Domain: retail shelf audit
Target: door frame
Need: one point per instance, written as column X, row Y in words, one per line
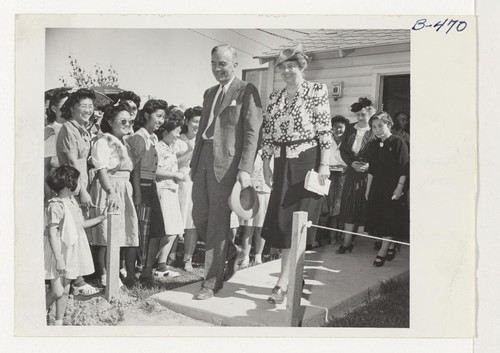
column 378, row 83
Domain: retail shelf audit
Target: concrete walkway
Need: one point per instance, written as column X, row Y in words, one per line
column 335, row 284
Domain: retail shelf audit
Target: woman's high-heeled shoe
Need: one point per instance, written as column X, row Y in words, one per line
column 342, row 249
column 379, row 261
column 391, row 254
column 278, row 295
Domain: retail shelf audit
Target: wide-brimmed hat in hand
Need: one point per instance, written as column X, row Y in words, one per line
column 244, row 203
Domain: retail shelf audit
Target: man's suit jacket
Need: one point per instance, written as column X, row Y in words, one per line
column 236, row 133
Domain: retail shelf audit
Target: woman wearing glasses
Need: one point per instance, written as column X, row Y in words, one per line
column 112, row 188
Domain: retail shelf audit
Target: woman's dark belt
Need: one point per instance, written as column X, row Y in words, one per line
column 292, row 143
column 284, row 145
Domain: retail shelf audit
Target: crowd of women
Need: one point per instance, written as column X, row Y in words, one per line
column 137, row 158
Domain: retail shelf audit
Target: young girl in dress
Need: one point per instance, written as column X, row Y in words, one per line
column 168, row 177
column 252, row 228
column 66, row 250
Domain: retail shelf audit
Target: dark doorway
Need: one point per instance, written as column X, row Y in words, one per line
column 396, row 94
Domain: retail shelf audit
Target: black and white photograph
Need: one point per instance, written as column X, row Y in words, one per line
column 245, row 176
column 135, row 123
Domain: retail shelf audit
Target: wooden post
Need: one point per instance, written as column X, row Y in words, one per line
column 297, row 252
column 112, row 262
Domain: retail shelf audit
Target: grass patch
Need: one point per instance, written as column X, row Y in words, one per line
column 390, row 309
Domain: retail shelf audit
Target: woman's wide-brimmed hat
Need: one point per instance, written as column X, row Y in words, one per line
column 244, row 203
column 286, row 54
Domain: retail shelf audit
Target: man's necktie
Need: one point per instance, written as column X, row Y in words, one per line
column 209, row 133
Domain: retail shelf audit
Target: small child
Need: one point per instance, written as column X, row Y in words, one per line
column 252, row 228
column 66, row 249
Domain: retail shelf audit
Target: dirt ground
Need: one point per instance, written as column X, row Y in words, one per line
column 155, row 314
column 133, row 306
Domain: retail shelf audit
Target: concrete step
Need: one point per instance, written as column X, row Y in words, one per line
column 335, row 284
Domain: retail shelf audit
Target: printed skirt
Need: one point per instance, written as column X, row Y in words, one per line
column 124, row 224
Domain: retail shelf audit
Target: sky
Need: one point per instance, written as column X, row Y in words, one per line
column 171, row 64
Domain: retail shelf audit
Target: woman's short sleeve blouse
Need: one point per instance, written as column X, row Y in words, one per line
column 108, row 152
column 72, row 138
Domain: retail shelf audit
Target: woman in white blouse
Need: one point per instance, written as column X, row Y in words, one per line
column 337, row 172
column 354, row 152
column 185, row 145
column 112, row 188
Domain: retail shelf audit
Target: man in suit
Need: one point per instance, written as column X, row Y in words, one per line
column 224, row 152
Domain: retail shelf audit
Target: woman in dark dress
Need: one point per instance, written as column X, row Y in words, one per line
column 297, row 131
column 354, row 152
column 387, row 214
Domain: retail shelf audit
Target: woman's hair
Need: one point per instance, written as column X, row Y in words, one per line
column 189, row 114
column 129, row 96
column 397, row 126
column 62, row 177
column 111, row 111
column 384, row 117
column 150, row 107
column 340, row 119
column 360, row 104
column 75, row 98
column 55, row 99
column 167, row 127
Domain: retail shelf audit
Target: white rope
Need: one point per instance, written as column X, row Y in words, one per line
column 309, row 224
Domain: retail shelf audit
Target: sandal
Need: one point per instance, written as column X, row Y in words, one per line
column 86, row 290
column 166, row 273
column 188, row 266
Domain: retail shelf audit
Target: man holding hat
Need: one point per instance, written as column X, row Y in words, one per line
column 224, row 153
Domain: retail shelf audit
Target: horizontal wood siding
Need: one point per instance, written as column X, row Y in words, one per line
column 356, row 71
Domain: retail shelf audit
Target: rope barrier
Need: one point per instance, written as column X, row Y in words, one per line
column 309, row 224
